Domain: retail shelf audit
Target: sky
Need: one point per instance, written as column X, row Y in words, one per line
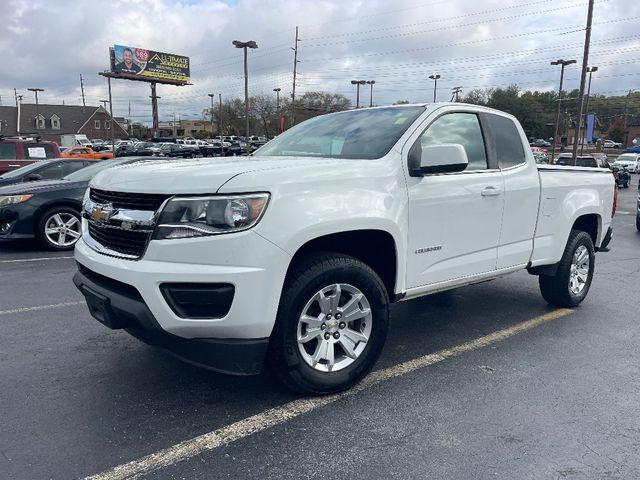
column 486, row 43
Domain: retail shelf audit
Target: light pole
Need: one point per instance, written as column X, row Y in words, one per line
column 36, row 90
column 372, row 83
column 104, row 103
column 220, row 124
column 590, row 70
column 357, row 83
column 212, row 95
column 277, row 90
column 562, row 63
column 244, row 46
column 435, row 78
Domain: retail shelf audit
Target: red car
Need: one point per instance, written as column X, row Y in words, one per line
column 18, row 152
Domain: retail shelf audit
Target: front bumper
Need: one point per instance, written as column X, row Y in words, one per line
column 118, row 305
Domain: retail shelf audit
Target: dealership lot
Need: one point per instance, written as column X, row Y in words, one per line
column 556, row 398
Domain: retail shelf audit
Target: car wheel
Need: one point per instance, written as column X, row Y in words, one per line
column 59, row 228
column 570, row 285
column 331, row 326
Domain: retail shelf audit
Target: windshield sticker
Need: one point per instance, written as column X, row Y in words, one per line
column 400, row 120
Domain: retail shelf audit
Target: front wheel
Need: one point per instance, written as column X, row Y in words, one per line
column 331, row 326
column 571, row 283
column 59, row 228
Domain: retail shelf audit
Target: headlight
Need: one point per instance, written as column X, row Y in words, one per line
column 11, row 199
column 186, row 217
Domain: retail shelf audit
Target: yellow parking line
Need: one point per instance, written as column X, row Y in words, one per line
column 278, row 415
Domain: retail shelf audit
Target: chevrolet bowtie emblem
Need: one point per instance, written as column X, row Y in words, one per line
column 102, row 212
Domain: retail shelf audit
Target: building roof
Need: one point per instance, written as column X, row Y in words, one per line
column 72, row 117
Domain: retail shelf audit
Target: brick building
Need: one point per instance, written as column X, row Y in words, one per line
column 52, row 121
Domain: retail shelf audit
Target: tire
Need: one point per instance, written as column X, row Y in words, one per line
column 56, row 218
column 294, row 362
column 557, row 289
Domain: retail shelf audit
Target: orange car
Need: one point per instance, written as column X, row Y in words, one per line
column 86, row 152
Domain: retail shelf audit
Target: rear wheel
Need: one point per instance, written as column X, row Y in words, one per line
column 332, row 323
column 571, row 283
column 59, row 228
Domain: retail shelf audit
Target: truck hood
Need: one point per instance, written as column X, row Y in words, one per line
column 198, row 176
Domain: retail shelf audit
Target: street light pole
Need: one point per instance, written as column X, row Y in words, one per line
column 277, row 90
column 220, row 125
column 372, row 83
column 36, row 90
column 357, row 83
column 590, row 70
column 212, row 95
column 435, row 78
column 562, row 63
column 244, row 46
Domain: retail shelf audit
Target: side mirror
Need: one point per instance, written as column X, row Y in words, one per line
column 445, row 158
column 32, row 177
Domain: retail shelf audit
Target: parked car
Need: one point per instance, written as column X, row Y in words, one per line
column 18, row 152
column 44, row 170
column 540, row 143
column 48, row 210
column 611, row 144
column 631, row 161
column 175, row 150
column 634, row 149
column 294, row 255
column 86, row 152
column 582, row 161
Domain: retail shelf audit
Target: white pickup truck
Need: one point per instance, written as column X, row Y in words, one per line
column 293, row 256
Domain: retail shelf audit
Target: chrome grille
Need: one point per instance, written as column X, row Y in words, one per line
column 128, row 201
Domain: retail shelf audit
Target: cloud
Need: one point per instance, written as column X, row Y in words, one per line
column 487, row 43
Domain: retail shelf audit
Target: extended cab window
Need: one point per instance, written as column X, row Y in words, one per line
column 459, row 128
column 507, row 141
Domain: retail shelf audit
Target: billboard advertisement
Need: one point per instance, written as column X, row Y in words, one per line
column 142, row 64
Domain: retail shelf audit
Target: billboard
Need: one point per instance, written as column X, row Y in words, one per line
column 141, row 64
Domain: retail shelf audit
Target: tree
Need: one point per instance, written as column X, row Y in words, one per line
column 312, row 104
column 263, row 109
column 616, row 131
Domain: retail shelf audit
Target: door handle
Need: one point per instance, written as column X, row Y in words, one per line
column 490, row 192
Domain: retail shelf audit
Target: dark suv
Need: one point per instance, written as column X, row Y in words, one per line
column 18, row 152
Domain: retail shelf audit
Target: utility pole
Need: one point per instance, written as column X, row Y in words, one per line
column 583, row 78
column 295, row 71
column 277, row 90
column 15, row 94
column 626, row 106
column 562, row 63
column 36, row 90
column 82, row 90
column 586, row 108
column 455, row 92
column 19, row 104
column 212, row 95
column 435, row 78
column 372, row 83
column 245, row 46
column 220, row 124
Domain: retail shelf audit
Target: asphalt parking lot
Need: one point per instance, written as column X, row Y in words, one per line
column 483, row 382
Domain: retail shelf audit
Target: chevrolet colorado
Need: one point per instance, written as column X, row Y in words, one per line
column 292, row 256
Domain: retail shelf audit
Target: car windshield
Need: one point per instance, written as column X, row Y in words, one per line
column 357, row 134
column 22, row 170
column 626, row 158
column 89, row 172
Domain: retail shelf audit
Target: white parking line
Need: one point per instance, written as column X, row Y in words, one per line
column 39, row 307
column 34, row 259
column 275, row 416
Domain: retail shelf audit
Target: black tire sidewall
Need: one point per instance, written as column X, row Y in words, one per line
column 288, row 358
column 581, row 238
column 42, row 222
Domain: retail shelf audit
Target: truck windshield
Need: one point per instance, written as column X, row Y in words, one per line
column 358, row 134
